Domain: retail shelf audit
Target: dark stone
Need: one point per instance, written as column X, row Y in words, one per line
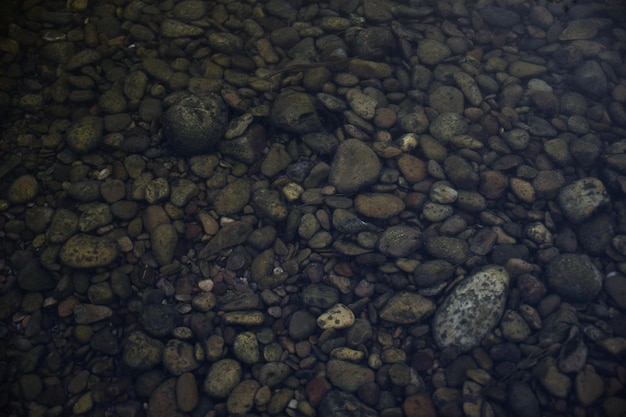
column 195, row 124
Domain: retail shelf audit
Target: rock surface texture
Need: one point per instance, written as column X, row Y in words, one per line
column 312, row 208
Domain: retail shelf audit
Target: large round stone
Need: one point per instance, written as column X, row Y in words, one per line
column 294, row 112
column 355, row 166
column 195, row 124
column 472, row 309
column 574, row 277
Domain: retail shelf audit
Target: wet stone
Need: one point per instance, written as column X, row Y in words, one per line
column 302, row 325
column 195, row 124
column 343, row 404
column 23, row 189
column 407, row 308
column 574, row 277
column 472, row 310
column 91, row 313
column 378, row 205
column 354, row 166
column 320, row 296
column 178, row 357
column 337, row 317
column 241, row 399
column 86, row 251
column 399, row 241
column 347, row 376
column 582, row 198
column 159, row 320
column 246, row 348
column 84, row 135
column 294, row 112
column 232, row 198
column 187, row 396
column 222, row 377
column 164, row 239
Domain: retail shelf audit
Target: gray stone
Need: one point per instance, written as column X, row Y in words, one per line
column 447, row 125
column 355, row 166
column 499, row 17
column 195, row 124
column 295, row 113
column 574, row 277
column 582, row 198
column 472, row 309
column 590, row 78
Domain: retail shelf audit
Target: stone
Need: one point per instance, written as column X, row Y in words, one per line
column 84, row 135
column 354, row 166
column 473, row 308
column 141, row 352
column 337, row 317
column 294, row 112
column 159, row 320
column 378, row 205
column 246, row 348
column 301, row 325
column 407, row 308
column 87, row 251
column 164, row 239
column 337, row 403
column 348, row 376
column 178, row 357
column 232, row 198
column 187, row 396
column 23, row 189
column 241, row 400
column 582, row 198
column 399, row 241
column 195, row 124
column 574, row 277
column 222, row 377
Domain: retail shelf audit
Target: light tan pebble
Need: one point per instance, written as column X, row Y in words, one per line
column 182, row 333
column 523, row 190
column 244, row 318
column 84, row 404
column 340, row 282
column 209, row 224
column 337, row 317
column 472, row 399
column 125, row 244
column 292, row 191
column 347, row 354
column 479, row 375
column 206, row 285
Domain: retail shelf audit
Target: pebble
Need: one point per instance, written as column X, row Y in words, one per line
column 23, row 189
column 460, row 321
column 407, row 308
column 354, row 166
column 582, row 198
column 347, row 376
column 574, row 277
column 141, row 352
column 222, row 377
column 86, row 251
column 85, row 134
column 178, row 357
column 337, row 317
column 187, row 395
column 378, row 205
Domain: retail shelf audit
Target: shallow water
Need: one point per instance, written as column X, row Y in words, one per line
column 312, row 208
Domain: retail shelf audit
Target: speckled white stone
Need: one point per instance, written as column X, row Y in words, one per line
column 472, row 309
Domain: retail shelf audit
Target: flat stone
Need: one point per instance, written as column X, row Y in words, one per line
column 348, row 376
column 378, row 205
column 407, row 308
column 336, row 317
column 187, row 396
column 87, row 251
